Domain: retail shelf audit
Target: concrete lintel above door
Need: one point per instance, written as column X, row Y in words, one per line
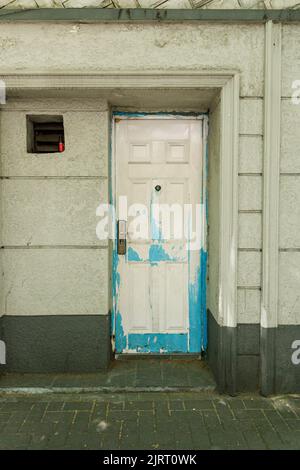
column 116, row 80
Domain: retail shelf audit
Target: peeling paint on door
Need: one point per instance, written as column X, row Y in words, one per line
column 142, row 314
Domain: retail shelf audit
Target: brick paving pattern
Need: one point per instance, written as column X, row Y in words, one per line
column 189, row 420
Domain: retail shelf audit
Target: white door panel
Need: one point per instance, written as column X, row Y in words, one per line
column 158, row 161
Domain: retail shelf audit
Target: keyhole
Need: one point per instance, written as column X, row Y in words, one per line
column 157, row 188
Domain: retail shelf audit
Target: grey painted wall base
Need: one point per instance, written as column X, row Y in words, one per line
column 233, row 355
column 268, row 366
column 287, row 374
column 62, row 343
column 227, row 360
column 249, row 358
column 278, row 373
column 246, row 358
column 222, row 355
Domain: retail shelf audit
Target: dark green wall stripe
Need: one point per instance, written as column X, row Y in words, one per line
column 138, row 14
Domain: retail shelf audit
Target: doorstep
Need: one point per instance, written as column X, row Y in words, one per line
column 134, row 375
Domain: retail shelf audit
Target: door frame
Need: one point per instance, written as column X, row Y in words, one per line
column 200, row 295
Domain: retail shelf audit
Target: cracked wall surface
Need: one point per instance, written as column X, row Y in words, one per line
column 192, row 4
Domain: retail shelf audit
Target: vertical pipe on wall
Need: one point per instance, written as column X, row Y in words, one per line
column 271, row 174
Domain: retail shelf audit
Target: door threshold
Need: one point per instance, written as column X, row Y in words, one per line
column 175, row 356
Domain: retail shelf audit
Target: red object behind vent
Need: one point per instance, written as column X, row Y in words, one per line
column 61, row 146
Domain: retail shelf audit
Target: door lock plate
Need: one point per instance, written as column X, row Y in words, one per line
column 121, row 247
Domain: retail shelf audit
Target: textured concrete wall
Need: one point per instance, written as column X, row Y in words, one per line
column 250, row 210
column 53, row 262
column 289, row 241
column 222, row 4
column 147, row 47
column 121, row 48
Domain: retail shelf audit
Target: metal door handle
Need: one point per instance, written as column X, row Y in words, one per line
column 121, row 229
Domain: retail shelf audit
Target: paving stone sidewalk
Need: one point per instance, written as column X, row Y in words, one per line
column 150, row 421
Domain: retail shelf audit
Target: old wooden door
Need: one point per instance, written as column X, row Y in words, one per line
column 159, row 283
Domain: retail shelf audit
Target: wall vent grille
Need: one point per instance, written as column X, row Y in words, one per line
column 45, row 134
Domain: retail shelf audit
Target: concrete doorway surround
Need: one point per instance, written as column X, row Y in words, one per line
column 219, row 91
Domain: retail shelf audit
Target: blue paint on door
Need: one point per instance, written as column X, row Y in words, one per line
column 196, row 339
column 121, row 340
column 197, row 307
column 158, row 343
column 158, row 254
column 133, row 255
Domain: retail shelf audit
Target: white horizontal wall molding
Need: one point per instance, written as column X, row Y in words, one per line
column 110, row 80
